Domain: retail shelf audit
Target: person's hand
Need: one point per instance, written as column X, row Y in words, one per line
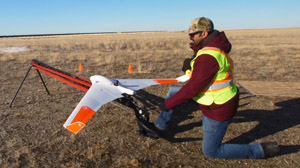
column 194, row 47
column 186, row 65
column 162, row 107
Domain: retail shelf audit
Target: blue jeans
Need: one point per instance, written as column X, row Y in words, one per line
column 164, row 117
column 213, row 134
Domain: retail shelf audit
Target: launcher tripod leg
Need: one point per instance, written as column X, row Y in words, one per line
column 43, row 81
column 10, row 105
column 20, row 86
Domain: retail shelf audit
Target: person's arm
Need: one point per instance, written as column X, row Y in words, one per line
column 205, row 68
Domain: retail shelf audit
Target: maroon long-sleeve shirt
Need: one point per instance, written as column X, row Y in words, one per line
column 205, row 68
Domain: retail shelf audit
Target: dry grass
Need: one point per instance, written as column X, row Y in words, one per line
column 31, row 133
column 108, row 50
column 273, row 54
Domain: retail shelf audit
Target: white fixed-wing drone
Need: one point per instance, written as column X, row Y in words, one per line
column 104, row 90
column 101, row 90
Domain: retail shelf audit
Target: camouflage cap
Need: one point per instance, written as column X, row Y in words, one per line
column 201, row 24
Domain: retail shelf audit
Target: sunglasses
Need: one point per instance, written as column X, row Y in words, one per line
column 193, row 34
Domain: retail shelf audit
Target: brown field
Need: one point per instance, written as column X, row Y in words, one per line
column 32, row 135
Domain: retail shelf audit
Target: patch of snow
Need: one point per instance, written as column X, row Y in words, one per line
column 13, row 49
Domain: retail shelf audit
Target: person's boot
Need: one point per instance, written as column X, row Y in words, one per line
column 270, row 148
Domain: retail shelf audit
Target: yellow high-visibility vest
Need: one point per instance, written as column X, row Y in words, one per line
column 221, row 88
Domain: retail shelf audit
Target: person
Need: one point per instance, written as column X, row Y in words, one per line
column 211, row 85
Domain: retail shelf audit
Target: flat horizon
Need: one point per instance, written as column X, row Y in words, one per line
column 57, row 34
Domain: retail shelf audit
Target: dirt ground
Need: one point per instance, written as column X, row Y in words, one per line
column 32, row 133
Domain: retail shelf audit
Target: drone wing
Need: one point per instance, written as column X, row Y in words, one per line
column 104, row 90
column 136, row 84
column 99, row 94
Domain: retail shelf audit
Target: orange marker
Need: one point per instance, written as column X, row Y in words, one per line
column 130, row 69
column 81, row 67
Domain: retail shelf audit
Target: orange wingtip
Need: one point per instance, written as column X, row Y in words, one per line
column 75, row 127
column 165, row 81
column 84, row 114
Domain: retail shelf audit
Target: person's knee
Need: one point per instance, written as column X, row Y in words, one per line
column 209, row 152
column 172, row 91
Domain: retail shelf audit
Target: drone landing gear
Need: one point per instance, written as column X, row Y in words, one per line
column 142, row 117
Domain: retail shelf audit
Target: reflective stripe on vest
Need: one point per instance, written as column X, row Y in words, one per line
column 220, row 51
column 220, row 84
